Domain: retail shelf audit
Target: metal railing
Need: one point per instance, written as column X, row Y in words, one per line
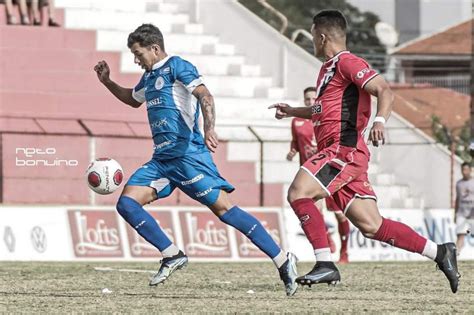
column 281, row 16
column 303, row 32
column 262, row 134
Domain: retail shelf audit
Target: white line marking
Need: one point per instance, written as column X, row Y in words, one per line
column 124, row 270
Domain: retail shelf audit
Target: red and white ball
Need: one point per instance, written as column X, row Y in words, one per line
column 104, row 176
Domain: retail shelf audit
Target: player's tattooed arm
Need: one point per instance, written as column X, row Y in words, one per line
column 207, row 106
column 209, row 116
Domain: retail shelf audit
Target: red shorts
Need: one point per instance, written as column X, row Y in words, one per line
column 331, row 204
column 342, row 172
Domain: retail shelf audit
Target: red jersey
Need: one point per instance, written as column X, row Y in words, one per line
column 303, row 139
column 342, row 108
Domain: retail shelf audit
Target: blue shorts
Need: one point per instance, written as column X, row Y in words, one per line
column 196, row 175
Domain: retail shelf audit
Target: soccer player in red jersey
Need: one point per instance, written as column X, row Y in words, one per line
column 340, row 118
column 304, row 142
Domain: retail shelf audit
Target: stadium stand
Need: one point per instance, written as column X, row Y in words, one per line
column 51, row 97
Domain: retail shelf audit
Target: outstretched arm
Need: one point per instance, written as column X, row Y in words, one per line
column 125, row 95
column 209, row 115
column 379, row 88
column 284, row 110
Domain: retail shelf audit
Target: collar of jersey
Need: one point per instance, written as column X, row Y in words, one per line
column 338, row 54
column 160, row 63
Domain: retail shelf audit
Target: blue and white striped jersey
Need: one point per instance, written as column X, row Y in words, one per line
column 173, row 111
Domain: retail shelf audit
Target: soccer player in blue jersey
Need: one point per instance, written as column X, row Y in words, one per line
column 173, row 91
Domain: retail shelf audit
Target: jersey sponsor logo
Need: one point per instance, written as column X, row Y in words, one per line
column 362, row 73
column 153, row 102
column 203, row 193
column 317, row 108
column 165, row 70
column 161, row 145
column 367, row 185
column 192, row 180
column 159, row 83
column 158, row 124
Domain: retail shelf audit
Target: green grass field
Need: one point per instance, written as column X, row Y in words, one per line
column 63, row 287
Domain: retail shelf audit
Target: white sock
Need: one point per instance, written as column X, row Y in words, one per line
column 430, row 250
column 279, row 259
column 170, row 251
column 323, row 254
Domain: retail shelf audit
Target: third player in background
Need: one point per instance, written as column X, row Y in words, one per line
column 303, row 142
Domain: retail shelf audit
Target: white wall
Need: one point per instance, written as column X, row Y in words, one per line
column 425, row 168
column 289, row 65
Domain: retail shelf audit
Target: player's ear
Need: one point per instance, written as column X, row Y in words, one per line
column 323, row 38
column 156, row 49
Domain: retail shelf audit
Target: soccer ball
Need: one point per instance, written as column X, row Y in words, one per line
column 104, row 176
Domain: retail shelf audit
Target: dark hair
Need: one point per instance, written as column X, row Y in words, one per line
column 309, row 89
column 146, row 35
column 466, row 164
column 330, row 20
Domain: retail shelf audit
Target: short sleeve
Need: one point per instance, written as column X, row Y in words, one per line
column 357, row 71
column 186, row 73
column 138, row 92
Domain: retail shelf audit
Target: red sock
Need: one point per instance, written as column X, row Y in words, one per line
column 344, row 230
column 312, row 222
column 400, row 235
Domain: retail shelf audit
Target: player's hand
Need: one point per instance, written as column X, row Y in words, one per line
column 210, row 137
column 281, row 110
column 377, row 134
column 103, row 71
column 291, row 155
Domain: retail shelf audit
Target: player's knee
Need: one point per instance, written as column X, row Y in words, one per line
column 369, row 230
column 221, row 204
column 124, row 206
column 295, row 193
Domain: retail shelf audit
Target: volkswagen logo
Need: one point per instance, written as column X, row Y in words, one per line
column 38, row 239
